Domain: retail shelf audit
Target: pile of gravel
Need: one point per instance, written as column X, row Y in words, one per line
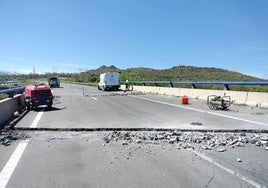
column 189, row 140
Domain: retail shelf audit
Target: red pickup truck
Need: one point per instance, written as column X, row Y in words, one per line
column 36, row 95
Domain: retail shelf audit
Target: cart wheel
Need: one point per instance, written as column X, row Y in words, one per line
column 28, row 107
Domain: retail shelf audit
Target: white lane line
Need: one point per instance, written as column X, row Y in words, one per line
column 94, row 98
column 37, row 118
column 202, row 111
column 15, row 157
column 12, row 163
column 244, row 178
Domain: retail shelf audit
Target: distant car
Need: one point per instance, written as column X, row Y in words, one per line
column 36, row 95
column 109, row 81
column 54, row 82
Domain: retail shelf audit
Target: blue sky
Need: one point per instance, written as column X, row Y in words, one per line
column 77, row 35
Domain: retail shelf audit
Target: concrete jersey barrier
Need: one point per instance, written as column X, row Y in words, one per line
column 8, row 107
column 238, row 97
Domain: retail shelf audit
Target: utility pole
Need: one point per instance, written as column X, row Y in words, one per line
column 34, row 73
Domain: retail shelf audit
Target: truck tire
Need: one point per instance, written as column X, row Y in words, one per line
column 28, row 107
column 49, row 106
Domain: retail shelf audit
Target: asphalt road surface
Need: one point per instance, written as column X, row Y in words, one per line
column 85, row 159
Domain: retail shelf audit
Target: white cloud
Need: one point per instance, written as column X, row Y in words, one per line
column 28, row 71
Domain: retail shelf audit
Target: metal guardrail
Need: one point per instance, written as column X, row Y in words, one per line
column 13, row 91
column 82, row 83
column 20, row 90
column 12, row 82
column 193, row 84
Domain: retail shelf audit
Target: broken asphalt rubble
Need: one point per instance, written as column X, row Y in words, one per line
column 8, row 136
column 219, row 142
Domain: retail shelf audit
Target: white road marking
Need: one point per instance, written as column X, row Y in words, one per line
column 94, row 98
column 12, row 163
column 202, row 111
column 37, row 118
column 248, row 180
column 15, row 157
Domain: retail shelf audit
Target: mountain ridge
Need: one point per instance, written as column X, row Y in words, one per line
column 7, row 73
column 175, row 73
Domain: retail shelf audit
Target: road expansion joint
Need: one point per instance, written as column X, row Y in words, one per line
column 218, row 140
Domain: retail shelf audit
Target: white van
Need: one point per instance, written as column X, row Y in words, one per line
column 109, row 81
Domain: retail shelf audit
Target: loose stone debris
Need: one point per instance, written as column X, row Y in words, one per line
column 219, row 142
column 8, row 136
column 112, row 94
column 216, row 141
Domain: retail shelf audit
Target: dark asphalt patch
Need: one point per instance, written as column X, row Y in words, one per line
column 142, row 129
column 197, row 123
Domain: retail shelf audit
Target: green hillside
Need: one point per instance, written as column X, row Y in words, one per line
column 178, row 73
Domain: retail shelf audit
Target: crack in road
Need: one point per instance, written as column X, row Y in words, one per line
column 211, row 179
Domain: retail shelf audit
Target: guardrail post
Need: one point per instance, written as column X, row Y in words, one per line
column 193, row 86
column 171, row 84
column 10, row 95
column 155, row 84
column 226, row 87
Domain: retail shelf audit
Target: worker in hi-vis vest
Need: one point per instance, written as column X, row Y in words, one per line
column 127, row 84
